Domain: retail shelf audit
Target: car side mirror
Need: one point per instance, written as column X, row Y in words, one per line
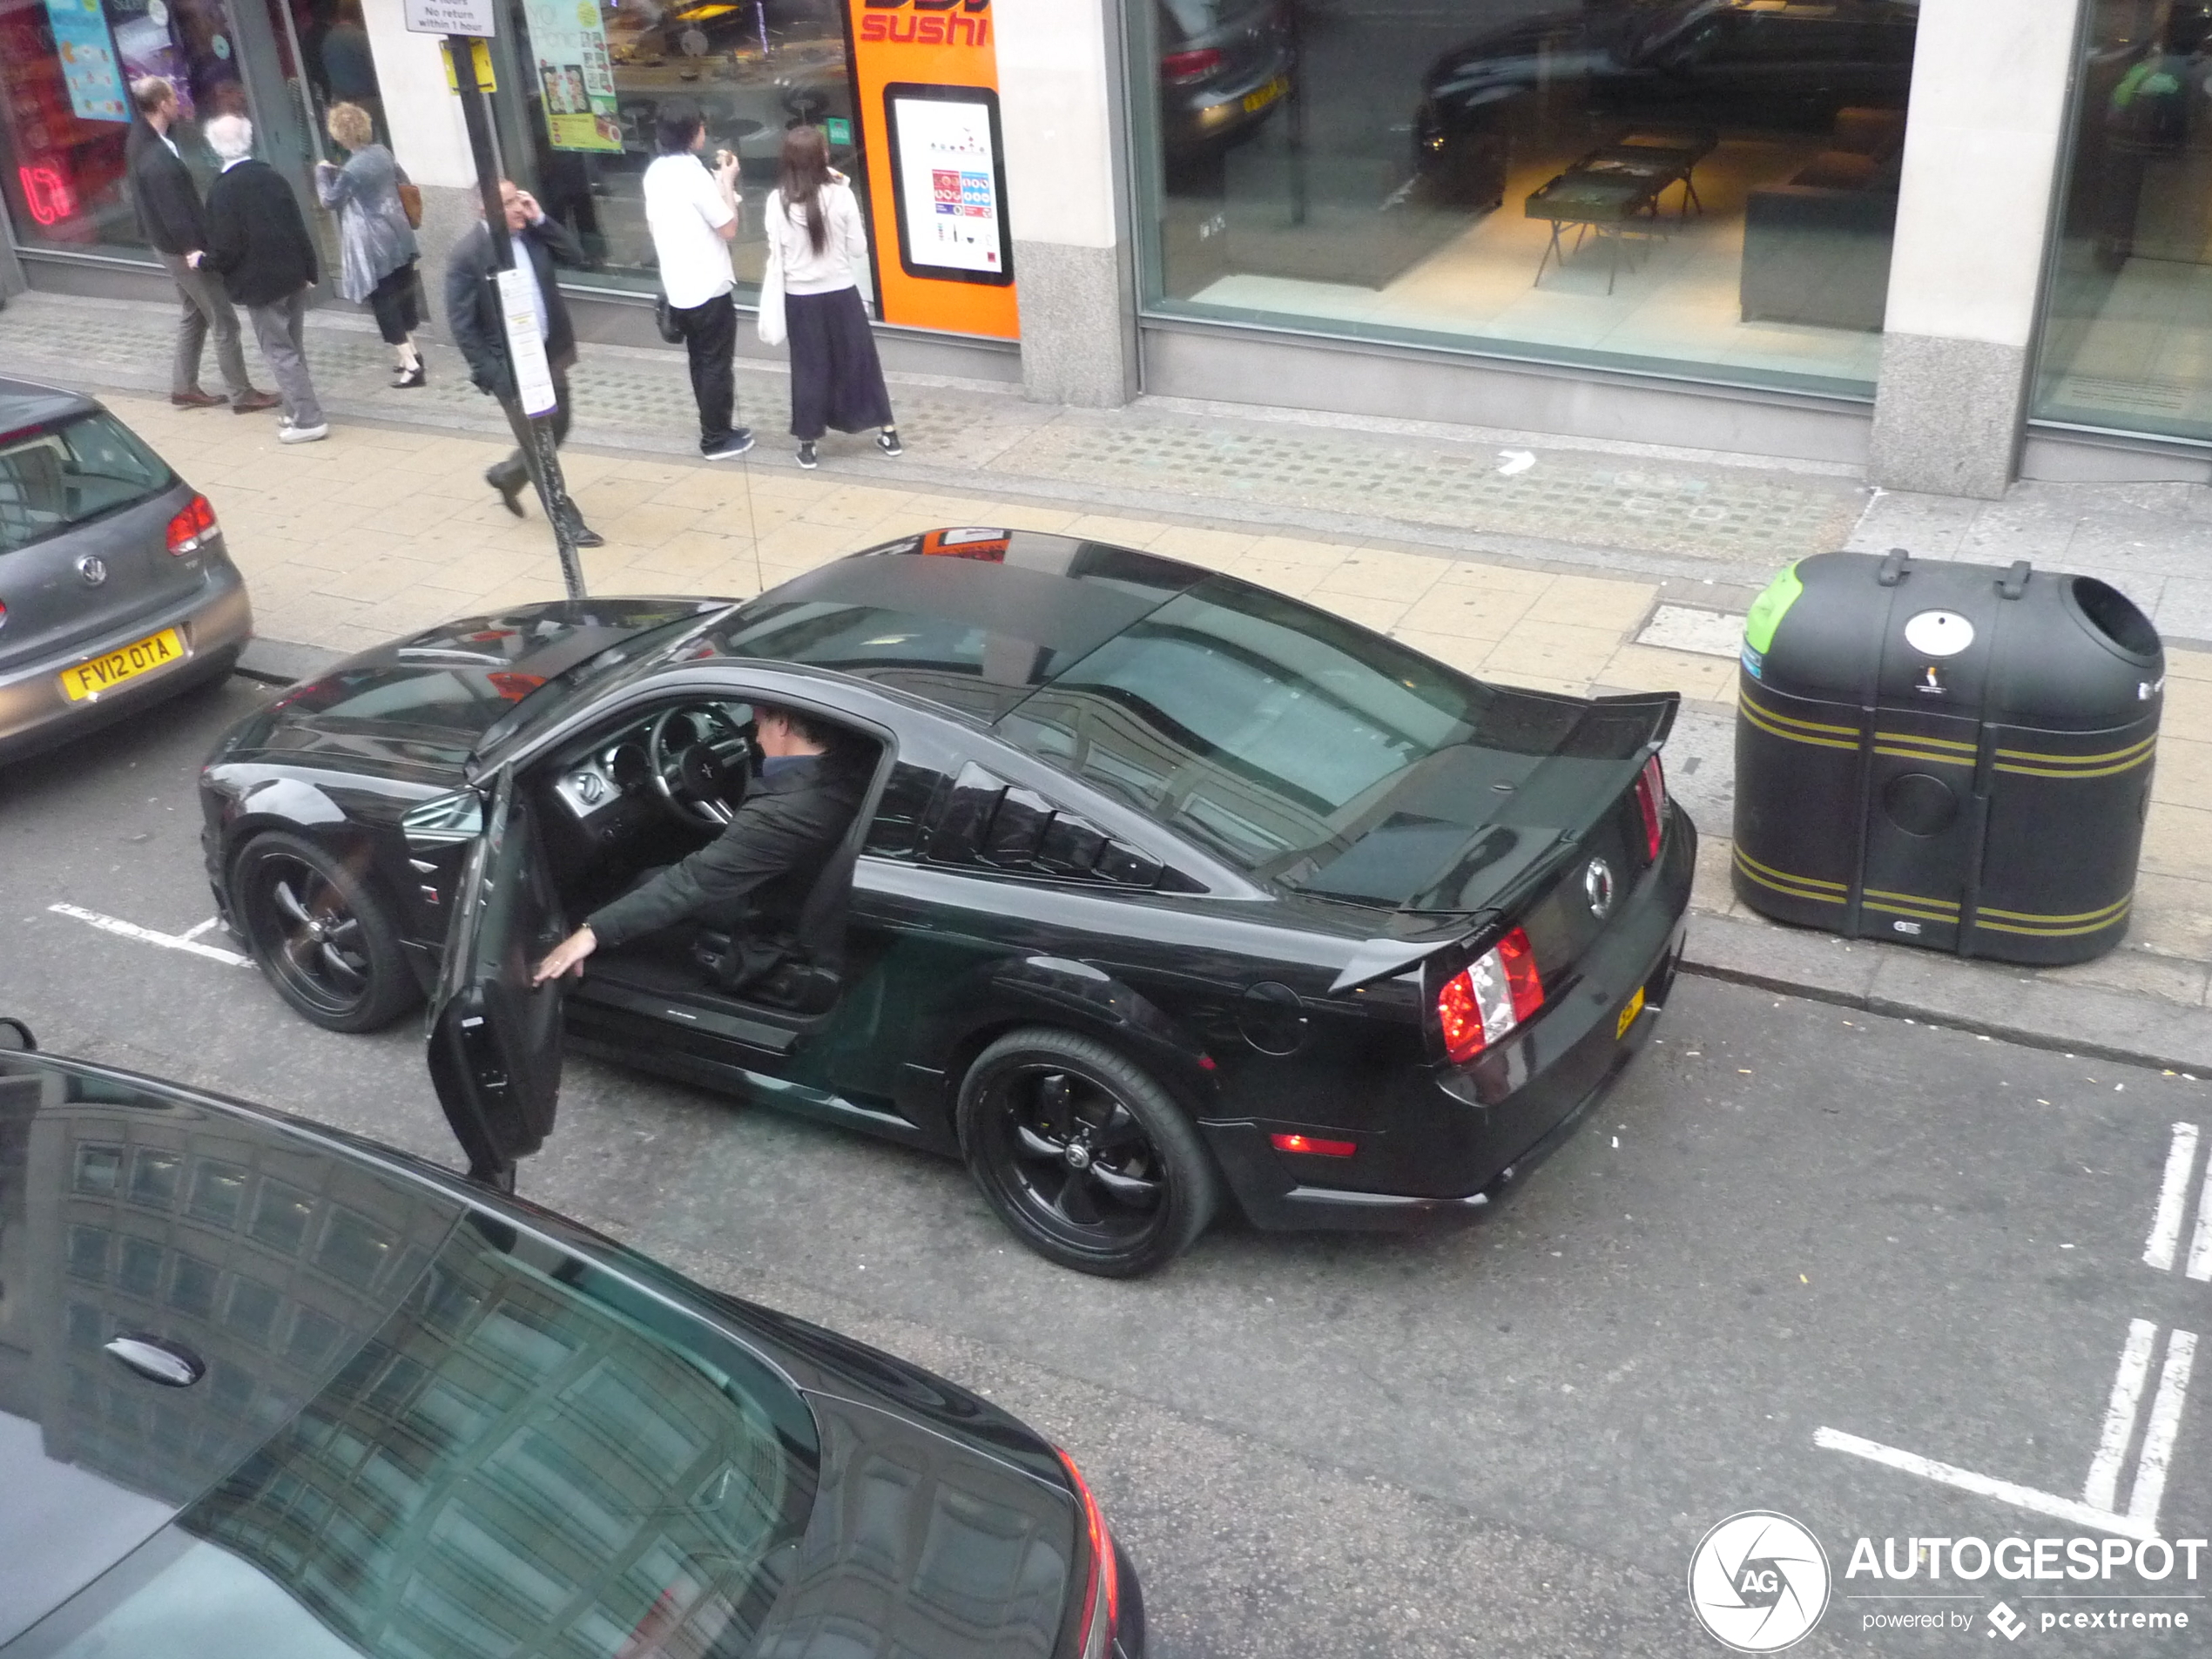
column 444, row 820
column 16, row 1038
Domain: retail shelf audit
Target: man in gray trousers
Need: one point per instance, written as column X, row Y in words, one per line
column 168, row 205
column 257, row 239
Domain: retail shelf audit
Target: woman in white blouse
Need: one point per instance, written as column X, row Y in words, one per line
column 816, row 234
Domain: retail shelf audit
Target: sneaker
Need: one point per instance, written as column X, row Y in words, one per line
column 732, row 447
column 289, row 433
column 808, row 458
column 888, row 441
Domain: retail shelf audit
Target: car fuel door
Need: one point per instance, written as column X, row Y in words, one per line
column 495, row 1050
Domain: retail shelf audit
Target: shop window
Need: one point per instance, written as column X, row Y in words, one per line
column 1700, row 187
column 593, row 91
column 2127, row 341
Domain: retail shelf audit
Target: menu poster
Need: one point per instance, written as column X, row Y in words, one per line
column 947, row 159
column 89, row 68
column 575, row 75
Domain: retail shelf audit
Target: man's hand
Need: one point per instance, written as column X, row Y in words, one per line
column 194, row 258
column 531, row 212
column 567, row 957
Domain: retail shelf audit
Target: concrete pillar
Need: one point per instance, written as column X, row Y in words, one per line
column 430, row 139
column 1058, row 92
column 1988, row 113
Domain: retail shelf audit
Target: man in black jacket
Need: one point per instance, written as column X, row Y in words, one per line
column 473, row 312
column 257, row 241
column 168, row 203
column 754, row 878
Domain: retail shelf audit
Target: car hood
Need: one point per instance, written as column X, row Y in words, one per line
column 125, row 1212
column 1558, row 45
column 424, row 703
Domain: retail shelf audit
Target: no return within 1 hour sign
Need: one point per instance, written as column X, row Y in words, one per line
column 451, row 17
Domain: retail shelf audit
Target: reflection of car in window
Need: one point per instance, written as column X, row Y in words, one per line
column 1225, row 66
column 1163, row 889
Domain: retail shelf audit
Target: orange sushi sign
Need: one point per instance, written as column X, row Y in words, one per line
column 925, row 86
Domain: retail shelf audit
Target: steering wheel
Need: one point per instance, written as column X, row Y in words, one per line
column 701, row 761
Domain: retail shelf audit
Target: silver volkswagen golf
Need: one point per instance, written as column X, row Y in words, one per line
column 115, row 587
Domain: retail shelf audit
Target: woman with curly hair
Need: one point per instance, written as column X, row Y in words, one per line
column 376, row 247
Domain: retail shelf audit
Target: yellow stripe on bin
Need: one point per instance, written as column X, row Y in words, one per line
column 2071, row 760
column 1765, row 723
column 2055, row 933
column 1927, row 743
column 2104, row 912
column 1790, row 886
column 2070, row 771
column 1965, row 761
column 1950, row 905
column 1917, row 915
column 1780, row 718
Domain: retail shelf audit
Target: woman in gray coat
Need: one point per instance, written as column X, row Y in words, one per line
column 376, row 248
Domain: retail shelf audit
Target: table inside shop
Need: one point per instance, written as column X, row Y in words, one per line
column 1600, row 202
column 1677, row 149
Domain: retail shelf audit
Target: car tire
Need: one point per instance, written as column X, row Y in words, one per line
column 320, row 935
column 1135, row 1196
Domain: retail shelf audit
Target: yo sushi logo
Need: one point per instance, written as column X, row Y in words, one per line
column 925, row 23
column 1758, row 1582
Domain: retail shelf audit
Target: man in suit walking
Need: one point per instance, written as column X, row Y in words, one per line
column 169, row 210
column 257, row 241
column 479, row 329
column 755, row 877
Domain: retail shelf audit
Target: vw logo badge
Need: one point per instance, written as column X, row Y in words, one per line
column 93, row 568
column 1597, row 886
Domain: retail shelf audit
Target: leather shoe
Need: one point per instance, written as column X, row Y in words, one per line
column 196, row 399
column 583, row 536
column 510, row 490
column 251, row 401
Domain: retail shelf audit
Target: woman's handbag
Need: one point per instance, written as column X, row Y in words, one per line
column 771, row 296
column 664, row 321
column 411, row 204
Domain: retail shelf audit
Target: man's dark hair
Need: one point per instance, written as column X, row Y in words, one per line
column 810, row 727
column 676, row 124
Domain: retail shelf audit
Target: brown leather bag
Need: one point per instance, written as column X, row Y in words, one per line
column 411, row 204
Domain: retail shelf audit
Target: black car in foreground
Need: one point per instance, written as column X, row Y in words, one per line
column 265, row 1389
column 1164, row 885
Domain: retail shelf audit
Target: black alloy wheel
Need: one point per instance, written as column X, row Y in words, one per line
column 1089, row 1160
column 322, row 940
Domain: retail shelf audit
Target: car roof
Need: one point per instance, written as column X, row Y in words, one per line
column 971, row 618
column 27, row 403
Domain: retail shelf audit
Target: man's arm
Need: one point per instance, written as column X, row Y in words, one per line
column 465, row 314
column 771, row 834
column 225, row 236
column 560, row 241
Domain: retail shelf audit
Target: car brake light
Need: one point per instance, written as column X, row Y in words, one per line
column 194, row 527
column 1314, row 1146
column 1651, row 802
column 1103, row 1594
column 1180, row 69
column 1487, row 999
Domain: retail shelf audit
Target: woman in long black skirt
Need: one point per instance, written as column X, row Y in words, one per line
column 815, row 233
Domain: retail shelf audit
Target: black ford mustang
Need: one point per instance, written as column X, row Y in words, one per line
column 1165, row 884
column 265, row 1389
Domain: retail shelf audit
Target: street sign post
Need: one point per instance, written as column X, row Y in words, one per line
column 532, row 405
column 476, row 17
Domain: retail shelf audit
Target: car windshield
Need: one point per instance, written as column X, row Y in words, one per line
column 70, row 472
column 583, row 680
column 532, row 1456
column 1263, row 728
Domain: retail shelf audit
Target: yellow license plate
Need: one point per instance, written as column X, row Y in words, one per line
column 105, row 673
column 1254, row 102
column 1629, row 1014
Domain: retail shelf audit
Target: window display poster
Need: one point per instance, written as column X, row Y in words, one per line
column 89, row 67
column 575, row 76
column 949, row 194
column 147, row 46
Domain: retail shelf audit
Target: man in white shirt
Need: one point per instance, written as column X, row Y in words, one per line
column 692, row 215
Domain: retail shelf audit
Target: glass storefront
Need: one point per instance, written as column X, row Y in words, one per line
column 587, row 84
column 65, row 66
column 2127, row 322
column 1699, row 187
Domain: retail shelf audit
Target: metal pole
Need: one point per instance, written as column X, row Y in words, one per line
column 533, row 434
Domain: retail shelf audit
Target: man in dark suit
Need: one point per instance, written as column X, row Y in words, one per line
column 473, row 311
column 257, row 242
column 754, row 878
column 169, row 212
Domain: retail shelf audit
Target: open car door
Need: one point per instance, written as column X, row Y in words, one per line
column 495, row 1041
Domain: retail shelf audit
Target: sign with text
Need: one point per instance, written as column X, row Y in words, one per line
column 451, row 17
column 575, row 75
column 87, row 53
column 521, row 308
column 924, row 97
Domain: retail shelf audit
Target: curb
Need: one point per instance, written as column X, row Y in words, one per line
column 1984, row 998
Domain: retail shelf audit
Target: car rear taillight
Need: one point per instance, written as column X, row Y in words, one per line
column 1180, row 69
column 1487, row 999
column 1651, row 804
column 194, row 527
column 1103, row 1594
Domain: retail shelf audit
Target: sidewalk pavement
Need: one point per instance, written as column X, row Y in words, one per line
column 1571, row 566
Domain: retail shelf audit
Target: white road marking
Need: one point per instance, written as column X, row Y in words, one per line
column 2173, row 1200
column 2201, row 1246
column 147, row 936
column 2103, row 1489
column 2165, row 1425
column 2042, row 1503
column 200, row 928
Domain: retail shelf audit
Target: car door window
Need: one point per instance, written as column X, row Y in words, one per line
column 988, row 823
column 532, row 1456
